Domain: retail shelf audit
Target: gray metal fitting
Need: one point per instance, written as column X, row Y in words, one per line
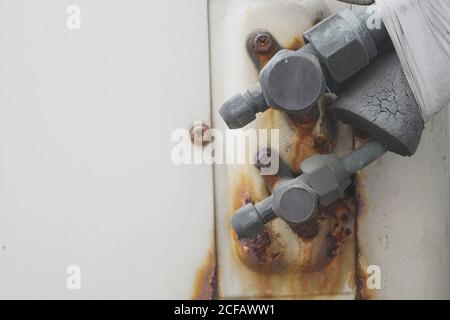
column 344, row 44
column 324, row 180
column 249, row 220
column 327, row 176
column 294, row 201
column 292, row 80
column 241, row 109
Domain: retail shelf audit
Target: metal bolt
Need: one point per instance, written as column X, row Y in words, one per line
column 265, row 158
column 200, row 134
column 260, row 42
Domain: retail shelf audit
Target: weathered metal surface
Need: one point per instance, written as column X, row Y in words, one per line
column 200, row 134
column 85, row 126
column 306, row 262
column 404, row 219
column 401, row 226
column 205, row 284
column 261, row 46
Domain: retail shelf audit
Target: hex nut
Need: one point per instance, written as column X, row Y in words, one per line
column 340, row 46
column 292, row 80
column 326, row 175
column 294, row 201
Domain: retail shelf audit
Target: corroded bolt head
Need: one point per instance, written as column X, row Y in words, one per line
column 260, row 42
column 200, row 134
column 264, row 158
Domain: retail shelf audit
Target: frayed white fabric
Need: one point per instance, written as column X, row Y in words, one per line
column 420, row 31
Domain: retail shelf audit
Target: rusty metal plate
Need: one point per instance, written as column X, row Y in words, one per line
column 317, row 260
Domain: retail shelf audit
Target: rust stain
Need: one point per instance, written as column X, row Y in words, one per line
column 316, row 267
column 245, row 192
column 261, row 47
column 271, row 181
column 296, row 44
column 331, row 235
column 205, row 283
column 261, row 59
column 314, row 259
column 361, row 276
column 317, row 258
column 303, row 147
column 308, row 230
column 361, row 196
column 311, row 139
column 261, row 253
column 255, row 251
column 362, row 291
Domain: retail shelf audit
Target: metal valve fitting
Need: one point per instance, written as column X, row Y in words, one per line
column 292, row 81
column 324, row 181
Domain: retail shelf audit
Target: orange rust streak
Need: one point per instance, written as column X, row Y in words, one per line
column 321, row 264
column 362, row 291
column 270, row 181
column 296, row 44
column 318, row 267
column 304, row 145
column 263, row 59
column 205, row 283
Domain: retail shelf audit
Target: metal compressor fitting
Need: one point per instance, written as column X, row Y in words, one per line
column 327, row 176
column 324, row 180
column 293, row 81
column 344, row 44
column 294, row 201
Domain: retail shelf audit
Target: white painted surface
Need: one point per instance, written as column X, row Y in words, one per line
column 85, row 124
column 405, row 230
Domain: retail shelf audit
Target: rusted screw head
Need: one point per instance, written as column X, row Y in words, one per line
column 200, row 134
column 308, row 230
column 261, row 42
column 264, row 158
